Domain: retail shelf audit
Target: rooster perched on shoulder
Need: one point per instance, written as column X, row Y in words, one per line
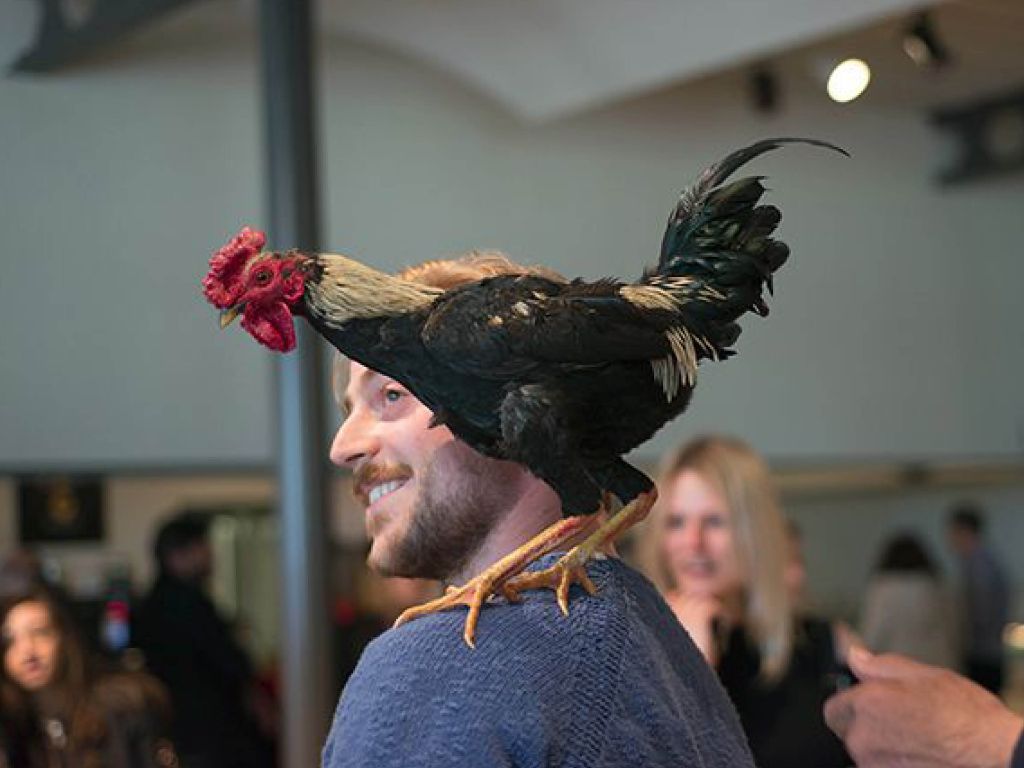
column 562, row 377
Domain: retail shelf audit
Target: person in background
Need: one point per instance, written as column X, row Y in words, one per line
column 985, row 599
column 190, row 647
column 716, row 545
column 904, row 713
column 57, row 711
column 905, row 610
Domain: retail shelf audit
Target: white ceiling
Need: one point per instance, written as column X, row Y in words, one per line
column 543, row 59
column 546, row 59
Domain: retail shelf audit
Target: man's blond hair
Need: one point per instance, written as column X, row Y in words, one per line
column 470, row 267
column 447, row 274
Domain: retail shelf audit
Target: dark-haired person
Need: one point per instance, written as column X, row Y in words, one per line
column 905, row 609
column 985, row 598
column 57, row 712
column 190, row 647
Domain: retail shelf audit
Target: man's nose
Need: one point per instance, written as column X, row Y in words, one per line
column 354, row 441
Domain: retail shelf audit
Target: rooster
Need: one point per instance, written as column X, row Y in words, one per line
column 562, row 377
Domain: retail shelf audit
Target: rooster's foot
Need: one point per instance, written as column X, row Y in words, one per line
column 559, row 577
column 572, row 567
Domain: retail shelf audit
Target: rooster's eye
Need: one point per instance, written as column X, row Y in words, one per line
column 262, row 277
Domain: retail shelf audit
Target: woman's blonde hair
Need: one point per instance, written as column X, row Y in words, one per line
column 741, row 476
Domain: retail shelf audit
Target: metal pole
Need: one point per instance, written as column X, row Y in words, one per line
column 288, row 87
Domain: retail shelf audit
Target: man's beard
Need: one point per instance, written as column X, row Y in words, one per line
column 462, row 496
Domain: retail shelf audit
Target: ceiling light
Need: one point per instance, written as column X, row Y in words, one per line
column 922, row 44
column 848, row 80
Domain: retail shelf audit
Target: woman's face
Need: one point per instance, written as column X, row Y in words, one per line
column 698, row 538
column 32, row 645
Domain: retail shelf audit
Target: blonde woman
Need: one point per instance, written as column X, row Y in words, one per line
column 717, row 548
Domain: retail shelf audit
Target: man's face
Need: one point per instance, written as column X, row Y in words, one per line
column 430, row 499
column 192, row 563
column 202, row 561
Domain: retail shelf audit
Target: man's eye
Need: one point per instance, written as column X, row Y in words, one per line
column 393, row 395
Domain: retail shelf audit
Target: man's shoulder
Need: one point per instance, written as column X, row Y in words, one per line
column 537, row 683
column 420, row 696
column 532, row 628
column 525, row 652
column 433, row 645
column 528, row 651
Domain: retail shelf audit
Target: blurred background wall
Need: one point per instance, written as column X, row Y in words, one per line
column 891, row 333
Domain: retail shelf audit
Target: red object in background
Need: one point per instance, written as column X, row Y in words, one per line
column 115, row 627
column 344, row 612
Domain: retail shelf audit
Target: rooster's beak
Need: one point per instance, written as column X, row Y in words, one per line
column 228, row 315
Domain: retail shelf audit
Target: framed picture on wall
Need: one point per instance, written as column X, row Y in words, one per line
column 60, row 508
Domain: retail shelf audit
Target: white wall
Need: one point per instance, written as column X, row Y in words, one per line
column 893, row 330
column 120, row 176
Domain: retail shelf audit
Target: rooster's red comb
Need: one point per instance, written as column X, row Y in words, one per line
column 223, row 282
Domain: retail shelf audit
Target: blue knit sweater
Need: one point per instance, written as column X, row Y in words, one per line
column 617, row 683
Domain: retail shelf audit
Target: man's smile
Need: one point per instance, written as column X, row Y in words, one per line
column 373, row 482
column 384, row 489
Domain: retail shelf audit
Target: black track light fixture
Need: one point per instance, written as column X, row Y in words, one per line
column 764, row 90
column 922, row 44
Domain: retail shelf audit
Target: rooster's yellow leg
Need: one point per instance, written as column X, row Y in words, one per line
column 572, row 567
column 476, row 591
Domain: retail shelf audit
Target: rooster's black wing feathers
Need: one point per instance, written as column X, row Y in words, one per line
column 510, row 327
column 717, row 256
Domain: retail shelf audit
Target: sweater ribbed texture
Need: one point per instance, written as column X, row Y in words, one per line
column 617, row 683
